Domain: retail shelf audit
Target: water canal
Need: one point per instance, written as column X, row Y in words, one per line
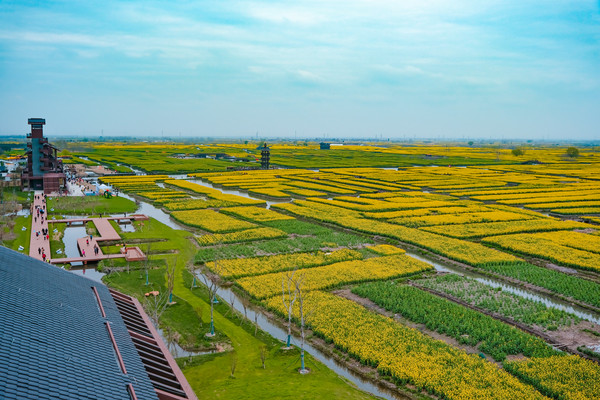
column 229, row 297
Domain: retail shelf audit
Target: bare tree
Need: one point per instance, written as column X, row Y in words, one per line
column 288, row 296
column 147, row 261
column 299, row 285
column 233, row 359
column 192, row 268
column 263, row 355
column 155, row 305
column 232, row 303
column 211, row 281
column 255, row 323
column 245, row 300
column 171, row 277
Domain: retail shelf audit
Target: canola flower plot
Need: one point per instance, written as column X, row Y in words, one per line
column 211, row 221
column 547, row 249
column 386, row 250
column 246, row 235
column 520, row 309
column 255, row 214
column 405, row 354
column 213, row 193
column 345, row 272
column 576, row 210
column 240, row 267
column 470, row 253
column 501, row 228
column 566, row 377
column 466, row 218
column 195, row 204
column 576, row 240
column 467, row 326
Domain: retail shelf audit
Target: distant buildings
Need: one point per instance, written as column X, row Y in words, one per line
column 44, row 171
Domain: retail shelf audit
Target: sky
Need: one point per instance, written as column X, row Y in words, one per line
column 442, row 69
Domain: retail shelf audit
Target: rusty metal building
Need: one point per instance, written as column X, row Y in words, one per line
column 43, row 171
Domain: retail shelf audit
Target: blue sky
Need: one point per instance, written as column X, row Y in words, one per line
column 367, row 68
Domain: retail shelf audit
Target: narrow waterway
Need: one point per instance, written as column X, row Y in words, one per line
column 237, row 192
column 226, row 295
column 150, row 210
column 69, row 239
column 546, row 300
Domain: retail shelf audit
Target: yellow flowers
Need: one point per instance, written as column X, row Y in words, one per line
column 405, row 354
column 212, row 193
column 239, row 267
column 499, row 228
column 386, row 249
column 336, row 274
column 468, row 252
column 211, row 221
column 255, row 214
column 241, row 236
column 553, row 248
column 562, row 377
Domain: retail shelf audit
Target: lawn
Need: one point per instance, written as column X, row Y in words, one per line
column 90, row 205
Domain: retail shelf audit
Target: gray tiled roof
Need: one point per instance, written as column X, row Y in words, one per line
column 53, row 340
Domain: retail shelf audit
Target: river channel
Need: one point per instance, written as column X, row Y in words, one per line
column 229, row 296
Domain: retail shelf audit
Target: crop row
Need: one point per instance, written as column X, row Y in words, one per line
column 465, row 218
column 407, row 355
column 193, row 204
column 256, row 214
column 240, row 267
column 570, row 286
column 467, row 252
column 211, row 221
column 560, row 377
column 467, row 326
column 386, row 250
column 240, row 236
column 550, row 250
column 344, row 272
column 212, row 193
column 518, row 308
column 501, row 228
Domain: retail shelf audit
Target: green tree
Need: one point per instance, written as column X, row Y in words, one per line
column 518, row 152
column 572, row 152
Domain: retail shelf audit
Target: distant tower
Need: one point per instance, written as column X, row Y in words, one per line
column 265, row 156
column 44, row 170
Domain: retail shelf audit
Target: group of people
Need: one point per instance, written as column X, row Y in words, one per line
column 40, row 210
column 38, row 213
column 87, row 242
column 44, row 233
column 42, row 252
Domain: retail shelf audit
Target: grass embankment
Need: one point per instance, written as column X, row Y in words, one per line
column 90, row 205
column 17, row 236
column 210, row 375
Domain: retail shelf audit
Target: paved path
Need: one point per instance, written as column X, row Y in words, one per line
column 38, row 244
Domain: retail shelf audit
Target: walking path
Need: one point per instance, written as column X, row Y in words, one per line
column 89, row 247
column 39, row 244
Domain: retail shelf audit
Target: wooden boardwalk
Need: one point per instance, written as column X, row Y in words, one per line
column 39, row 245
